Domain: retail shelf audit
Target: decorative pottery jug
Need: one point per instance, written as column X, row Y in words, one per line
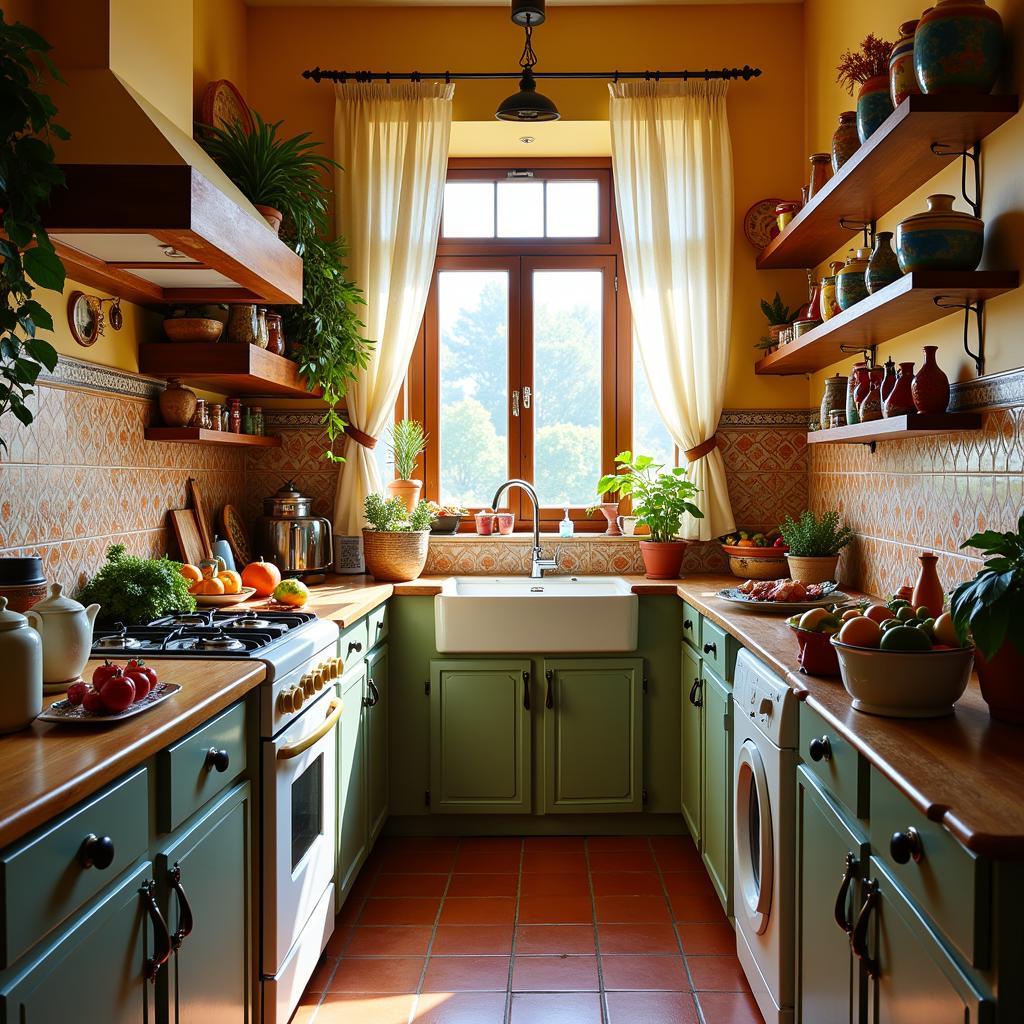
column 874, row 105
column 177, row 404
column 829, row 302
column 870, row 407
column 833, row 399
column 814, row 306
column 940, row 238
column 888, row 380
column 21, row 654
column 883, row 267
column 852, row 386
column 785, row 212
column 928, row 589
column 902, row 80
column 241, row 327
column 850, row 283
column 821, row 171
column 931, row 385
column 958, row 48
column 65, row 627
column 900, row 401
column 845, row 140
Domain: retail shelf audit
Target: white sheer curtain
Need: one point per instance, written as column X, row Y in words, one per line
column 392, row 143
column 672, row 161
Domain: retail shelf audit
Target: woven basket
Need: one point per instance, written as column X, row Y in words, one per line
column 395, row 557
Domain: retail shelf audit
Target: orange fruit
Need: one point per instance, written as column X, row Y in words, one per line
column 850, row 613
column 231, row 580
column 879, row 613
column 211, row 585
column 191, row 572
column 861, row 632
column 262, row 577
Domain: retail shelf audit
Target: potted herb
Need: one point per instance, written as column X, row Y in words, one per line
column 130, row 589
column 991, row 609
column 660, row 500
column 446, row 517
column 395, row 539
column 407, row 443
column 868, row 67
column 779, row 316
column 814, row 545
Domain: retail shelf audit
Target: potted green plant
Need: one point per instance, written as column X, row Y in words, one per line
column 407, row 442
column 446, row 517
column 779, row 316
column 991, row 608
column 395, row 539
column 660, row 500
column 814, row 544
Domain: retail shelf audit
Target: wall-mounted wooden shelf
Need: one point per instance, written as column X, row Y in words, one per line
column 900, row 307
column 896, row 427
column 895, row 161
column 225, row 367
column 198, row 435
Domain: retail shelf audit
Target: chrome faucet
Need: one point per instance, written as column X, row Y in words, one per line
column 538, row 564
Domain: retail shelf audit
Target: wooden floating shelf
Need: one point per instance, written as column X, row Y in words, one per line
column 895, row 161
column 199, row 435
column 897, row 309
column 896, row 427
column 225, row 367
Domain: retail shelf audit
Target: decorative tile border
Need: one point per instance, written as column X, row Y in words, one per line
column 76, row 373
column 293, row 419
column 745, row 418
column 996, row 391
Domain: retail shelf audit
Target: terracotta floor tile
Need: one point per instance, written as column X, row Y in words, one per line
column 460, row 1008
column 554, row 844
column 555, row 885
column 717, row 974
column 555, row 910
column 555, row 974
column 680, row 856
column 349, row 913
column 618, row 843
column 632, row 909
column 490, row 844
column 701, row 937
column 626, row 883
column 725, row 1008
column 665, row 973
column 487, row 862
column 426, row 861
column 554, row 862
column 409, row 885
column 400, row 911
column 701, row 906
column 466, row 974
column 484, row 910
column 363, row 884
column 322, row 974
column 554, row 938
column 343, row 1008
column 339, row 940
column 637, row 938
column 639, row 859
column 472, row 940
column 393, row 940
column 651, row 1008
column 483, row 885
column 386, row 975
column 556, row 1008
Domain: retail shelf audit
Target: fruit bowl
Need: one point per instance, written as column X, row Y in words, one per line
column 224, row 600
column 904, row 684
column 817, row 656
column 756, row 563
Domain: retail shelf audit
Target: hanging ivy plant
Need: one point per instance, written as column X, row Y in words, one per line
column 28, row 174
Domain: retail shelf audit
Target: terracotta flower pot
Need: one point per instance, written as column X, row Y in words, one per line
column 662, row 559
column 272, row 216
column 812, row 569
column 1002, row 682
column 407, row 490
column 610, row 510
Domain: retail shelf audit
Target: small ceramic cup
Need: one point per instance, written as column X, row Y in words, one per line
column 505, row 522
column 484, row 523
column 627, row 524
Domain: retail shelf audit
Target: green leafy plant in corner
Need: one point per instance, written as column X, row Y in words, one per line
column 389, row 515
column 407, row 443
column 28, row 174
column 987, row 606
column 811, row 537
column 660, row 500
column 776, row 312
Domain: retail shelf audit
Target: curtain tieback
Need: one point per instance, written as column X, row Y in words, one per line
column 704, row 448
column 360, row 438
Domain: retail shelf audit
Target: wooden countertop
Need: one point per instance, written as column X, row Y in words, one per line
column 342, row 599
column 48, row 768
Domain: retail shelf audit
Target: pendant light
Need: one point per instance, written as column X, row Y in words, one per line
column 527, row 105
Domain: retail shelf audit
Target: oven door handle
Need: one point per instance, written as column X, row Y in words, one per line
column 333, row 715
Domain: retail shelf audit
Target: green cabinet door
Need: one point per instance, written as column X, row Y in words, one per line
column 94, row 973
column 716, row 779
column 376, row 724
column 830, row 860
column 593, row 735
column 352, row 813
column 205, row 878
column 480, row 737
column 691, row 756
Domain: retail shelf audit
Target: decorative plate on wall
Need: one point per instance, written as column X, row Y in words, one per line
column 236, row 533
column 222, row 104
column 759, row 223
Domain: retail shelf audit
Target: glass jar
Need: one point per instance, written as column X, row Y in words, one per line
column 262, row 333
column 275, row 334
column 235, row 415
column 257, row 420
column 200, row 418
column 247, row 420
column 241, row 327
column 215, row 416
column 821, row 171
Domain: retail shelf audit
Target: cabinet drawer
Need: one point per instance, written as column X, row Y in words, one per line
column 837, row 765
column 353, row 644
column 200, row 766
column 377, row 625
column 718, row 649
column 948, row 883
column 691, row 626
column 44, row 879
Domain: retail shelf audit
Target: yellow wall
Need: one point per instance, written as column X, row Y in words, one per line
column 218, row 44
column 832, row 27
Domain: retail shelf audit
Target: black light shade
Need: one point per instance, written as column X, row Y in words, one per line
column 528, row 12
column 527, row 105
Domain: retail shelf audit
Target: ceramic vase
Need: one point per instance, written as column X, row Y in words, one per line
column 851, row 285
column 902, row 80
column 852, row 412
column 833, row 399
column 888, row 380
column 845, row 140
column 821, row 171
column 829, row 302
column 900, row 401
column 958, row 48
column 874, row 105
column 784, row 213
column 177, row 404
column 883, row 267
column 610, row 510
column 931, row 385
column 928, row 589
column 940, row 238
column 814, row 306
column 870, row 406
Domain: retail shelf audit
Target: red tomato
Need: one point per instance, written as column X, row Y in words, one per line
column 117, row 693
column 77, row 691
column 92, row 701
column 104, row 672
column 142, row 676
column 150, row 672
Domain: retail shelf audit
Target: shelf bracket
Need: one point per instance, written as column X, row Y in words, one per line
column 866, row 226
column 973, row 155
column 872, row 446
column 854, row 350
column 977, row 308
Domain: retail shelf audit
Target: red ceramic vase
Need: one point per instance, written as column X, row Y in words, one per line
column 928, row 589
column 931, row 386
column 901, row 399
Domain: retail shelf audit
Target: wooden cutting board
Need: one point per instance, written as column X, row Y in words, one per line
column 186, row 531
column 202, row 516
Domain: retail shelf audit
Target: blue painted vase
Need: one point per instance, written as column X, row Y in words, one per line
column 941, row 238
column 851, row 285
column 902, row 79
column 874, row 105
column 883, row 267
column 958, row 48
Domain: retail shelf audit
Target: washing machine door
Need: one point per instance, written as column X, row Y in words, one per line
column 755, row 860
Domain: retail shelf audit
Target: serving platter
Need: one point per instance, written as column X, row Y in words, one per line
column 75, row 714
column 734, row 596
column 223, row 600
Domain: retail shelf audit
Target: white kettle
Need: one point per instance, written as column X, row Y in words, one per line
column 65, row 627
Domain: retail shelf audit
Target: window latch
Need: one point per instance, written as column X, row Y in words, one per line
column 515, row 403
column 527, row 395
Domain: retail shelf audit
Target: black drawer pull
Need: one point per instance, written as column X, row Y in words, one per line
column 526, row 691
column 842, row 919
column 549, row 700
column 687, row 624
column 184, row 909
column 859, row 937
column 354, row 645
column 162, row 940
column 217, row 760
column 906, row 846
column 820, row 749
column 96, row 852
column 695, row 697
column 711, row 649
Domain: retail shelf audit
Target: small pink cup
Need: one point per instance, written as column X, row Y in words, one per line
column 506, row 523
column 484, row 523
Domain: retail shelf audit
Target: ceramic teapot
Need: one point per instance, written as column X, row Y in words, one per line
column 65, row 627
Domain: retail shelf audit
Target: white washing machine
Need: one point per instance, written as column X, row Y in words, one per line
column 764, row 808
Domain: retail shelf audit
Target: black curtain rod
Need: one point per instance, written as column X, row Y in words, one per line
column 318, row 75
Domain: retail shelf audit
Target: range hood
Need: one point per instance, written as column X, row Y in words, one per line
column 147, row 215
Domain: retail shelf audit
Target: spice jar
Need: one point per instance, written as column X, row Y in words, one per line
column 262, row 335
column 247, row 420
column 199, row 417
column 215, row 416
column 257, row 420
column 275, row 334
column 821, row 171
column 235, row 415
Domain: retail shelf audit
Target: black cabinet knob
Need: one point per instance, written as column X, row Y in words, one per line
column 820, row 749
column 687, row 624
column 711, row 649
column 354, row 645
column 217, row 760
column 906, row 846
column 96, row 852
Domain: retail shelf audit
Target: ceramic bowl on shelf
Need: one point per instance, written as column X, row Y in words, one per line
column 753, row 563
column 446, row 524
column 940, row 238
column 193, row 328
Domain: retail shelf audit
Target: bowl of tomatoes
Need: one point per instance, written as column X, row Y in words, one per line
column 755, row 555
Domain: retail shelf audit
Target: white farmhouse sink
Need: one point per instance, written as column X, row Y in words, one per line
column 513, row 614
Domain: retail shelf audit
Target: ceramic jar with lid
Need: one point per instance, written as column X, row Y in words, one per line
column 931, row 385
column 902, row 80
column 821, row 172
column 65, row 627
column 177, row 403
column 883, row 267
column 851, row 285
column 22, row 582
column 874, row 105
column 958, row 48
column 845, row 141
column 785, row 212
column 21, row 683
column 833, row 399
column 940, row 238
column 900, row 401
